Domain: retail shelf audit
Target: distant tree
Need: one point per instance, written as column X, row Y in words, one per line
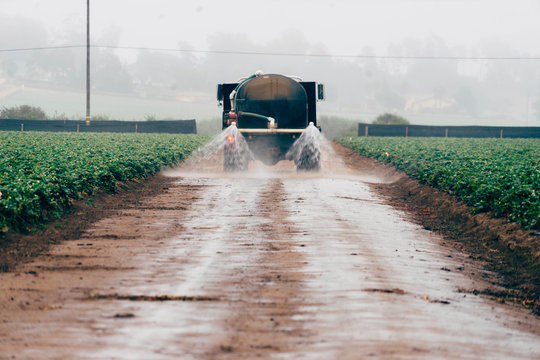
column 23, row 112
column 390, row 119
column 166, row 71
column 59, row 67
column 110, row 74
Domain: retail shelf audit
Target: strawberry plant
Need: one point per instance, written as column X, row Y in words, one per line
column 42, row 173
column 497, row 175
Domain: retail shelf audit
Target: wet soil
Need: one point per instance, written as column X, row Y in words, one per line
column 198, row 264
column 501, row 246
column 16, row 248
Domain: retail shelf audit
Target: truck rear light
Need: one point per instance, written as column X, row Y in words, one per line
column 230, row 139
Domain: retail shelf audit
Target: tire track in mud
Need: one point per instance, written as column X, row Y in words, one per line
column 251, row 265
column 269, row 292
column 47, row 307
column 233, row 251
column 384, row 284
column 355, row 286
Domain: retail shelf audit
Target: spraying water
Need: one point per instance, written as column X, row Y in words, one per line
column 306, row 151
column 233, row 145
column 236, row 152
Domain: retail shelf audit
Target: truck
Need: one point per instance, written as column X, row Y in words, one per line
column 270, row 113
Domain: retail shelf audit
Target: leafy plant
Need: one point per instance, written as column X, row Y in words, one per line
column 497, row 175
column 42, row 173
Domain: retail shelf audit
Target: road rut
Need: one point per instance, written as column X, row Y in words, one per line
column 265, row 264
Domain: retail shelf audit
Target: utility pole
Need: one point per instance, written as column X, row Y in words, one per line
column 87, row 62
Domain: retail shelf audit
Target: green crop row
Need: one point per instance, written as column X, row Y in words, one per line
column 42, row 173
column 497, row 175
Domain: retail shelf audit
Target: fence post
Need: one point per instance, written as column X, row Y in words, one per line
column 446, row 132
column 136, row 128
column 78, row 127
column 22, row 127
column 406, row 131
column 501, row 133
column 366, row 134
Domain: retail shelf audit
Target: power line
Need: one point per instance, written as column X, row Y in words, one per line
column 229, row 52
column 43, row 48
column 290, row 54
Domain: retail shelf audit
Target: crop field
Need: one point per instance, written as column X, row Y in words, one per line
column 497, row 175
column 42, row 173
column 213, row 264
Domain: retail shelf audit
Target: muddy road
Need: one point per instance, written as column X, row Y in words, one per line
column 264, row 264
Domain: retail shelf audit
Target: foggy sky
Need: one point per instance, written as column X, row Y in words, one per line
column 339, row 26
column 477, row 91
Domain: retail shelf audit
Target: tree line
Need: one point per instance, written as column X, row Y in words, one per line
column 373, row 85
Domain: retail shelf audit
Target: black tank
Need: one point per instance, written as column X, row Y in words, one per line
column 272, row 95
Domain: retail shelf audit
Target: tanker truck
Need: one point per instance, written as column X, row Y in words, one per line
column 271, row 112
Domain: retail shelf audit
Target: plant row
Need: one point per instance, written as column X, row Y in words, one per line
column 42, row 173
column 497, row 175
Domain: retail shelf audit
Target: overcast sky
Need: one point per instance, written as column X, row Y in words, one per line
column 341, row 26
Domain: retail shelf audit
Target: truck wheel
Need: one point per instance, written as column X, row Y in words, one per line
column 309, row 159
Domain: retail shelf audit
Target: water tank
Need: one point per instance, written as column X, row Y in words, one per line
column 272, row 95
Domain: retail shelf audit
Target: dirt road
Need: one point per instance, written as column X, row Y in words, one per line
column 264, row 264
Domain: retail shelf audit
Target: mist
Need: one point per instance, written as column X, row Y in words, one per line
column 423, row 75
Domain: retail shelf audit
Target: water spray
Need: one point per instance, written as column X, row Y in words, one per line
column 306, row 151
column 233, row 145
